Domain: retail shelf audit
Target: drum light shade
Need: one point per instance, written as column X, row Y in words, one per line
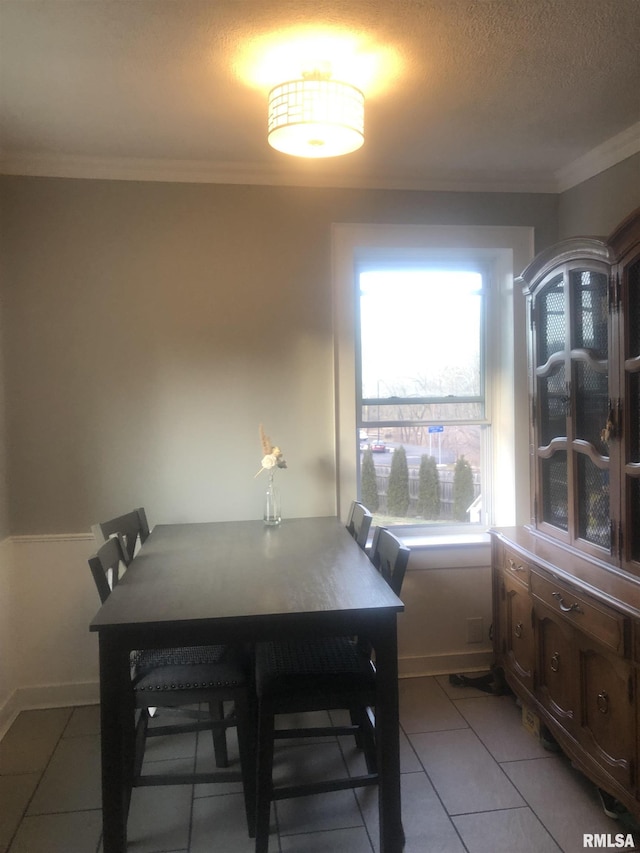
column 316, row 117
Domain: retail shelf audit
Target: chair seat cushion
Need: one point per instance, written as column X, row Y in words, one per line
column 229, row 670
column 146, row 659
column 326, row 664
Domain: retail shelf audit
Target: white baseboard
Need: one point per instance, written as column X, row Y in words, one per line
column 8, row 712
column 445, row 664
column 48, row 656
column 47, row 696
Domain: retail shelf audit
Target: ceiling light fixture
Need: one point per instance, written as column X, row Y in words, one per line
column 316, row 117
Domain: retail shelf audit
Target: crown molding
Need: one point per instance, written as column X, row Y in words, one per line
column 204, row 172
column 602, row 157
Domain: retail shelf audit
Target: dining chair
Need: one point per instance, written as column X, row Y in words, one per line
column 132, row 526
column 178, row 677
column 390, row 557
column 321, row 674
column 359, row 522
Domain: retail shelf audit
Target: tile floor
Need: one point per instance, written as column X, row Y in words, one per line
column 473, row 779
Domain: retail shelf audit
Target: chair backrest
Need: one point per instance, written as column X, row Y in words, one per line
column 390, row 557
column 359, row 522
column 105, row 565
column 133, row 527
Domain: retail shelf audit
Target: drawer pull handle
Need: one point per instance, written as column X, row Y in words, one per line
column 555, row 662
column 515, row 567
column 603, row 703
column 518, row 630
column 567, row 608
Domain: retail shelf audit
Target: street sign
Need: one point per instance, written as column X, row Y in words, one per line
column 436, row 429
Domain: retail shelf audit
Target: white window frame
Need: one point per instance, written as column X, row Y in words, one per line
column 505, row 251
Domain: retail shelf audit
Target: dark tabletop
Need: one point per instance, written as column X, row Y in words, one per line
column 242, row 569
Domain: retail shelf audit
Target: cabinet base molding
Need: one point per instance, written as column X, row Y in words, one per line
column 567, row 639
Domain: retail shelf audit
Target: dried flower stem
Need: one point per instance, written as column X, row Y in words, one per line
column 265, row 441
column 272, row 455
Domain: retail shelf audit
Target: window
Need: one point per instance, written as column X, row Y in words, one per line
column 423, row 418
column 496, row 250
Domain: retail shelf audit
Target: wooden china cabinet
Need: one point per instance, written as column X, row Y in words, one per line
column 567, row 586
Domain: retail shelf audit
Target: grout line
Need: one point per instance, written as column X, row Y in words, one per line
column 531, row 808
column 62, row 812
column 193, row 787
column 353, row 790
column 424, row 769
column 495, row 811
column 527, row 804
column 435, row 790
column 526, row 801
column 44, row 770
column 66, row 726
column 274, row 807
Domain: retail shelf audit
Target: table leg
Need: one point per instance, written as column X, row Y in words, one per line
column 117, row 731
column 388, row 738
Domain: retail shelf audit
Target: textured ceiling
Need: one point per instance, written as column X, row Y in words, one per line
column 460, row 93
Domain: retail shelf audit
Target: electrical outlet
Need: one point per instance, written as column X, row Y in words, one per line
column 475, row 629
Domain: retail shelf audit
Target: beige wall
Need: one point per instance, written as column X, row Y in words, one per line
column 4, row 491
column 146, row 330
column 149, row 328
column 596, row 206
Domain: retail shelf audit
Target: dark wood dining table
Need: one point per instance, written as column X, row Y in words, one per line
column 239, row 581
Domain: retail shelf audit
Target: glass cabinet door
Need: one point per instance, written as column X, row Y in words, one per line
column 589, row 358
column 572, row 405
column 583, row 299
column 552, row 401
column 631, row 417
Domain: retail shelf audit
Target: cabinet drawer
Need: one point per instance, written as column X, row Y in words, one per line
column 605, row 625
column 515, row 567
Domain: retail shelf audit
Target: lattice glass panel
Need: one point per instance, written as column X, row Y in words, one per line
column 593, row 503
column 551, row 320
column 633, row 351
column 633, row 311
column 552, row 402
column 633, row 402
column 590, row 292
column 592, row 405
column 555, row 505
column 633, row 530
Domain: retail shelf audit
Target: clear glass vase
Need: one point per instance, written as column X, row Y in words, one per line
column 272, row 515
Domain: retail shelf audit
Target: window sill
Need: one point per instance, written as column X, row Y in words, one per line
column 418, row 541
column 451, row 536
column 453, row 551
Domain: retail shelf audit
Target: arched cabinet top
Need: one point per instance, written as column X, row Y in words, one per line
column 608, row 250
column 574, row 249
